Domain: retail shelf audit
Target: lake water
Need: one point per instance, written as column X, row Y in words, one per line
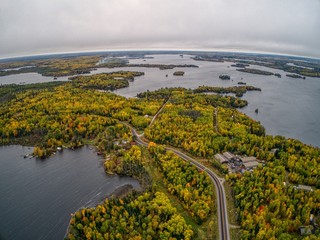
column 27, row 78
column 38, row 196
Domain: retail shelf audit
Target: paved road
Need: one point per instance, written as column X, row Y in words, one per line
column 221, row 196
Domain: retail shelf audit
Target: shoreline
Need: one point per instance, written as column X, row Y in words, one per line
column 119, row 192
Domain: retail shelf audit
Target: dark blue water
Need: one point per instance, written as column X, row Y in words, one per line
column 38, row 196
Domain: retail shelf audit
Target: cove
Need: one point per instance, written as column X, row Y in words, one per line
column 38, row 196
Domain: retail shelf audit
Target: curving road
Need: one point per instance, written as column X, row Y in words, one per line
column 221, row 197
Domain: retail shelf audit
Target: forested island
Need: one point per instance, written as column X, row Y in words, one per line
column 178, row 73
column 53, row 67
column 224, row 77
column 295, row 76
column 237, row 90
column 58, row 67
column 255, row 71
column 303, row 66
column 106, row 81
column 240, row 65
column 177, row 200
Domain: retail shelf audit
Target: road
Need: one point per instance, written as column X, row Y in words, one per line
column 221, row 196
column 216, row 119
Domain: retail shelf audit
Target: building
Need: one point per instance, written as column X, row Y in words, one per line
column 247, row 159
column 222, row 159
column 249, row 162
column 229, row 156
column 306, row 230
column 250, row 165
column 304, row 187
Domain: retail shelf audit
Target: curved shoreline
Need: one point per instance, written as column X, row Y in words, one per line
column 119, row 192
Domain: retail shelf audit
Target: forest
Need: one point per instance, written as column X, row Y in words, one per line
column 69, row 115
column 146, row 216
column 74, row 65
column 229, row 130
column 106, row 81
column 192, row 187
column 72, row 114
column 54, row 67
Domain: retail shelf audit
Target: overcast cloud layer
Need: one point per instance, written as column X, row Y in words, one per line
column 45, row 26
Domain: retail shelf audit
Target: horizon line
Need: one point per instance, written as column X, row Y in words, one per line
column 155, row 50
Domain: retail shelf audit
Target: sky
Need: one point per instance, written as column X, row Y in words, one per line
column 29, row 27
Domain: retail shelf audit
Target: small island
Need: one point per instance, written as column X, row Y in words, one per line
column 295, row 76
column 207, row 59
column 178, row 73
column 278, row 75
column 237, row 90
column 240, row 65
column 242, row 83
column 224, row 77
column 255, row 71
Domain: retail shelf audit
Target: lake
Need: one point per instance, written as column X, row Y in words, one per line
column 287, row 106
column 38, row 196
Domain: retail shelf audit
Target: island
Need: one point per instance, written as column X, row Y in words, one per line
column 178, row 73
column 207, row 59
column 240, row 65
column 255, row 71
column 278, row 75
column 237, row 90
column 242, row 83
column 224, row 77
column 295, row 76
column 106, row 81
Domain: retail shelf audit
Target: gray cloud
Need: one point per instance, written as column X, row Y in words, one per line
column 37, row 26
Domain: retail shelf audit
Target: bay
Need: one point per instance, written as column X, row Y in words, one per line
column 37, row 196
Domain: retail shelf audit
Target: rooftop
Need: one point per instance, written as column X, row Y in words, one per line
column 248, row 159
column 221, row 158
column 251, row 164
column 304, row 187
column 229, row 155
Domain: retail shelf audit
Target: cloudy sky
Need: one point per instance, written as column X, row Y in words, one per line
column 46, row 26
